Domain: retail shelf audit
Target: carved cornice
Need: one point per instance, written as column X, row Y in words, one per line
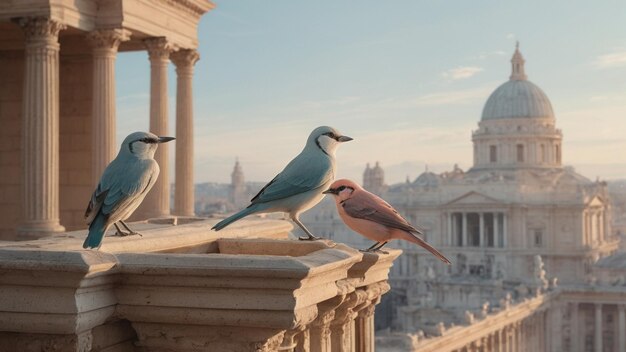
column 40, row 28
column 159, row 48
column 190, row 7
column 108, row 38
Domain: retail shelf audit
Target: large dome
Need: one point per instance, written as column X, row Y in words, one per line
column 517, row 98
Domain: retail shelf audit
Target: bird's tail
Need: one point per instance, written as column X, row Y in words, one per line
column 411, row 237
column 229, row 220
column 97, row 228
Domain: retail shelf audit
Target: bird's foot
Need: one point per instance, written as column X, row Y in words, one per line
column 119, row 234
column 125, row 234
column 309, row 238
column 373, row 251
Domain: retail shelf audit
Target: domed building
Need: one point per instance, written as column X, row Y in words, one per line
column 517, row 201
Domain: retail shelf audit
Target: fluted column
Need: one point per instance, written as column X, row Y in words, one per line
column 598, row 328
column 40, row 129
column 157, row 202
column 184, row 192
column 364, row 327
column 104, row 44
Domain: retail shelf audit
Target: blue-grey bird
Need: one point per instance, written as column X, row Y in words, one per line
column 123, row 186
column 300, row 185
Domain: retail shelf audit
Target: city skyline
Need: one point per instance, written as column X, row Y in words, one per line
column 407, row 81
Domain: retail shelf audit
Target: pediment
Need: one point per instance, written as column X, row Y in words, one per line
column 473, row 198
column 596, row 202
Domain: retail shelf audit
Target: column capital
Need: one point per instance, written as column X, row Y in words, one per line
column 40, row 29
column 185, row 58
column 108, row 39
column 159, row 48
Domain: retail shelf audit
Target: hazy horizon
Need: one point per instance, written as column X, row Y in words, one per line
column 408, row 80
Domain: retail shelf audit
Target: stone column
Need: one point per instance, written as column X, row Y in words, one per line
column 481, row 230
column 598, row 328
column 574, row 337
column 157, row 203
column 450, row 234
column 342, row 327
column 504, row 231
column 364, row 327
column 464, row 229
column 621, row 328
column 184, row 192
column 40, row 129
column 104, row 43
column 320, row 330
column 496, row 232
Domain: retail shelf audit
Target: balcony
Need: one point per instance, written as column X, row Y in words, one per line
column 183, row 287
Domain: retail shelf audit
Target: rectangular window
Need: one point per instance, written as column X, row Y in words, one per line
column 520, row 153
column 493, row 156
column 558, row 154
column 538, row 234
column 542, row 157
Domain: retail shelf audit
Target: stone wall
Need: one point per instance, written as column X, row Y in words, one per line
column 11, row 83
column 75, row 142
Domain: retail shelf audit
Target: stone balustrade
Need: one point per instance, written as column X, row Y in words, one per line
column 183, row 287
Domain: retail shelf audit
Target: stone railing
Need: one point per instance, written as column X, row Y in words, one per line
column 514, row 326
column 185, row 288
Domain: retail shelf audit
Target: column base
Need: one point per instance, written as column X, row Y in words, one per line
column 35, row 230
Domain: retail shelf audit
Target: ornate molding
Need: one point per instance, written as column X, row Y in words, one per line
column 189, row 7
column 40, row 28
column 185, row 58
column 108, row 38
column 159, row 49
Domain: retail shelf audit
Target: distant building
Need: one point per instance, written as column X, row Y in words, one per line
column 374, row 179
column 238, row 190
column 517, row 201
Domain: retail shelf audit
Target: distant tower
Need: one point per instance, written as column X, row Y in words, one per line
column 374, row 179
column 238, row 186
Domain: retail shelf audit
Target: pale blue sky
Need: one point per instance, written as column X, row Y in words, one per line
column 407, row 79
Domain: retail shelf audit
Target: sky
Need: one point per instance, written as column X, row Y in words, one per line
column 407, row 79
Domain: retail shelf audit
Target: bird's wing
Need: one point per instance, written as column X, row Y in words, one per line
column 120, row 185
column 370, row 207
column 302, row 174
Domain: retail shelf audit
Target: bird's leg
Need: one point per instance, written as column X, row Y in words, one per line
column 130, row 232
column 372, row 247
column 119, row 231
column 311, row 237
column 378, row 249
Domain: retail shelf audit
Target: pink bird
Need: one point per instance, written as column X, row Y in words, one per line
column 374, row 218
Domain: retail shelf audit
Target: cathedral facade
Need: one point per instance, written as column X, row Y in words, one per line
column 517, row 202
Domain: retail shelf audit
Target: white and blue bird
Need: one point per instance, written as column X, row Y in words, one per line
column 300, row 185
column 123, row 186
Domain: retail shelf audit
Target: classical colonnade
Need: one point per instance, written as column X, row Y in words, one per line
column 40, row 154
column 477, row 229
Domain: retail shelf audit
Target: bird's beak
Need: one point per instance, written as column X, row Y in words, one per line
column 165, row 139
column 330, row 190
column 344, row 139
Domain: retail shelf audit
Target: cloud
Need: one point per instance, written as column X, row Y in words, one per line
column 612, row 60
column 510, row 36
column 461, row 72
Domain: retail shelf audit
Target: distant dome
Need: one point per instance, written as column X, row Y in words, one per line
column 517, row 98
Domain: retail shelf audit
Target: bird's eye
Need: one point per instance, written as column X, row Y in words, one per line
column 342, row 188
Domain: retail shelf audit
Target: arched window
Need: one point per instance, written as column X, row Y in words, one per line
column 520, row 153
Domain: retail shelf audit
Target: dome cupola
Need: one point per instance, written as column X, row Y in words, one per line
column 517, row 98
